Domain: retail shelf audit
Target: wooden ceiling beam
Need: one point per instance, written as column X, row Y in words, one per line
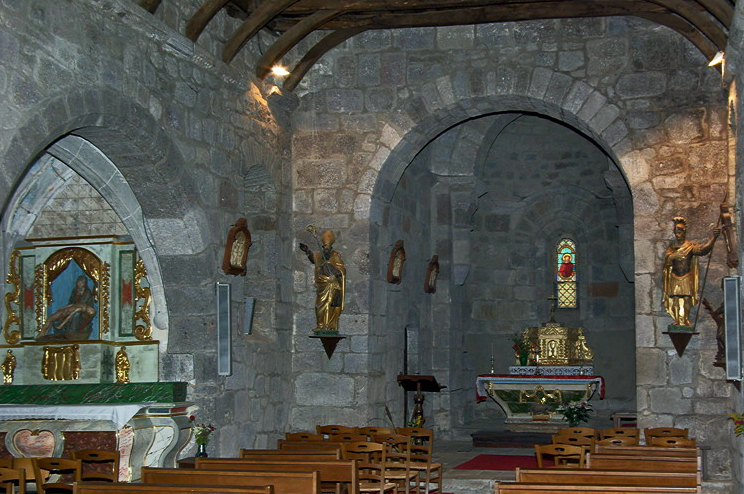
column 313, row 55
column 290, row 38
column 721, row 10
column 201, row 18
column 380, row 6
column 702, row 21
column 254, row 23
column 495, row 13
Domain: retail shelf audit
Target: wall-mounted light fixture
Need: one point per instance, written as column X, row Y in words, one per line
column 280, row 71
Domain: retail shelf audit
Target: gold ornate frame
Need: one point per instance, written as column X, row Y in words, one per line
column 13, row 278
column 91, row 264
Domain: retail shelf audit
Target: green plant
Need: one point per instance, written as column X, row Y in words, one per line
column 522, row 346
column 738, row 423
column 575, row 412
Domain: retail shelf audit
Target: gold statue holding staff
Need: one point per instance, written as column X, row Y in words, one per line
column 330, row 281
column 681, row 275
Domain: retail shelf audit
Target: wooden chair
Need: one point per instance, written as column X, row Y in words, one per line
column 617, row 441
column 366, row 451
column 673, row 442
column 12, row 477
column 373, row 431
column 563, row 455
column 578, row 431
column 345, row 437
column 621, row 432
column 397, row 469
column 585, row 442
column 56, row 466
column 102, row 465
column 420, row 450
column 303, row 436
column 393, row 442
column 6, row 462
column 372, row 479
column 325, row 430
column 650, row 433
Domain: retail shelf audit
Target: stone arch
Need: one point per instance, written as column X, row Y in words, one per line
column 117, row 147
column 122, row 130
column 558, row 97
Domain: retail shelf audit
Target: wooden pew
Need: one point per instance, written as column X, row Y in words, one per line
column 323, row 445
column 283, row 482
column 526, row 488
column 607, row 477
column 606, row 461
column 131, row 488
column 332, row 471
column 648, row 451
column 291, row 454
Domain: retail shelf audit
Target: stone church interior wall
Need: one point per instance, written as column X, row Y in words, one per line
column 185, row 131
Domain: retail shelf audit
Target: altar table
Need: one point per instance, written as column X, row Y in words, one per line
column 528, row 399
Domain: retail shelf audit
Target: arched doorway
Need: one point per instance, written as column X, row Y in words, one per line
column 491, row 196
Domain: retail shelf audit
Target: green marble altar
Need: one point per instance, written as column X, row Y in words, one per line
column 76, row 394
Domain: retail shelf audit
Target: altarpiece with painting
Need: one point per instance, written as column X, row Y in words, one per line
column 85, row 367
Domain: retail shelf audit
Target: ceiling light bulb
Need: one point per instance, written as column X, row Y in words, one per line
column 279, row 70
column 716, row 59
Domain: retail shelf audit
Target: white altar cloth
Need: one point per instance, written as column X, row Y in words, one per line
column 118, row 413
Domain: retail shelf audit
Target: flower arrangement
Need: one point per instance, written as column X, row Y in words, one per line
column 202, row 432
column 575, row 412
column 521, row 346
column 738, row 423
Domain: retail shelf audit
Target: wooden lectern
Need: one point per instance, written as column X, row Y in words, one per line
column 419, row 384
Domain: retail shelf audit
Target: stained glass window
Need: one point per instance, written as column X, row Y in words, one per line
column 565, row 274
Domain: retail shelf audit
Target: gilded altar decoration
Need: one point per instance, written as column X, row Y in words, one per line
column 559, row 345
column 541, row 396
column 330, row 281
column 61, row 363
column 8, row 367
column 105, row 286
column 236, row 249
column 12, row 298
column 142, row 331
column 121, row 363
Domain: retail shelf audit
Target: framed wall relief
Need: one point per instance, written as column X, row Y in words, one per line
column 432, row 273
column 236, row 249
column 395, row 264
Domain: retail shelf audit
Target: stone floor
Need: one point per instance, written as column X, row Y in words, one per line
column 453, row 453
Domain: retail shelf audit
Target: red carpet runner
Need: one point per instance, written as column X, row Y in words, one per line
column 499, row 462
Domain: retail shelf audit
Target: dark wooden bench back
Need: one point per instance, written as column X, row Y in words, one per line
column 608, row 477
column 604, row 461
column 132, row 488
column 283, row 482
column 647, row 451
column 337, row 471
column 526, row 488
column 292, row 454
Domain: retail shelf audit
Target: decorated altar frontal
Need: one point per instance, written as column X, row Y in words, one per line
column 529, row 401
column 36, row 421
